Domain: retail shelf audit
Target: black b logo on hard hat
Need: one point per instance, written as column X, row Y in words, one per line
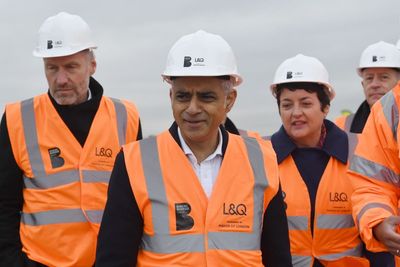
column 374, row 58
column 49, row 44
column 186, row 61
column 183, row 220
column 289, row 75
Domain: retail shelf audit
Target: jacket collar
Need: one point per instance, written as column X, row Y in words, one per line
column 230, row 126
column 336, row 143
column 173, row 130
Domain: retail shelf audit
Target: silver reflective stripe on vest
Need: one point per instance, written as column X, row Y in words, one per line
column 391, row 112
column 374, row 170
column 243, row 133
column 355, row 252
column 122, row 116
column 353, row 141
column 301, row 261
column 348, row 121
column 234, row 240
column 297, row 222
column 94, row 216
column 162, row 241
column 173, row 244
column 91, row 176
column 335, row 221
column 53, row 217
column 31, row 138
column 52, row 180
column 372, row 205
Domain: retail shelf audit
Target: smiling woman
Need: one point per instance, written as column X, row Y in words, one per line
column 312, row 155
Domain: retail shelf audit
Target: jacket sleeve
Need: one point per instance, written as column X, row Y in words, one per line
column 275, row 245
column 122, row 224
column 10, row 203
column 374, row 171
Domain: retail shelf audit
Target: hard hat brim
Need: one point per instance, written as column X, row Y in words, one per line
column 236, row 82
column 60, row 53
column 329, row 89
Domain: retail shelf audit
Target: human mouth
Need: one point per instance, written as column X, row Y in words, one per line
column 298, row 124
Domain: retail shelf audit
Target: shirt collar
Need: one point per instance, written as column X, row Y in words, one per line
column 186, row 149
column 89, row 95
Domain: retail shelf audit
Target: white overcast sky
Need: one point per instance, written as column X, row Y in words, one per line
column 134, row 38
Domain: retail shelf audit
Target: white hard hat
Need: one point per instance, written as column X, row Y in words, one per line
column 62, row 35
column 398, row 44
column 302, row 68
column 201, row 54
column 379, row 55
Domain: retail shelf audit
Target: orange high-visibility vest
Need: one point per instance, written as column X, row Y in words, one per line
column 375, row 169
column 344, row 122
column 65, row 185
column 246, row 133
column 182, row 227
column 335, row 237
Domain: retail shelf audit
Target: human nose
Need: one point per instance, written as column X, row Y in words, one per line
column 297, row 111
column 193, row 107
column 62, row 77
column 375, row 83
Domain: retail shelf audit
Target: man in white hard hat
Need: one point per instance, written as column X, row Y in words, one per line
column 379, row 70
column 58, row 150
column 374, row 172
column 196, row 195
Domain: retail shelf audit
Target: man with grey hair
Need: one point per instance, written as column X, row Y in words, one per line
column 379, row 70
column 196, row 195
column 58, row 150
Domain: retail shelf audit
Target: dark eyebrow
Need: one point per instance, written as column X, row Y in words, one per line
column 206, row 93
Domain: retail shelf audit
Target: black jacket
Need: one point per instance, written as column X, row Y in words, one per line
column 78, row 118
column 360, row 118
column 122, row 225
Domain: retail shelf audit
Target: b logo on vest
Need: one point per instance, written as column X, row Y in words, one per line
column 183, row 220
column 56, row 160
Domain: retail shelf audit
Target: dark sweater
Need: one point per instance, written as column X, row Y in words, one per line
column 122, row 225
column 360, row 118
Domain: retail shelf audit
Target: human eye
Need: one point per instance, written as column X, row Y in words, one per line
column 368, row 79
column 182, row 96
column 72, row 66
column 207, row 97
column 51, row 68
column 286, row 105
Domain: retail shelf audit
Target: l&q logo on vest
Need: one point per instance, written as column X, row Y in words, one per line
column 104, row 156
column 234, row 217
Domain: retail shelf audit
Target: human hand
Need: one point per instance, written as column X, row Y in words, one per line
column 386, row 233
